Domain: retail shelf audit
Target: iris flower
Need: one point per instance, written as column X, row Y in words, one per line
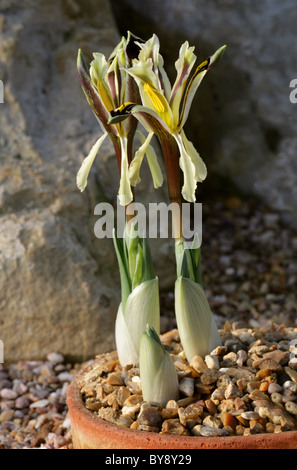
column 106, row 86
column 165, row 108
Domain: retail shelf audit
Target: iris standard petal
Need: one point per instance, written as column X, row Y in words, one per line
column 183, row 66
column 83, row 173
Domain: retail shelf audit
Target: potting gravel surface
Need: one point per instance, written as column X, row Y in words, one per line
column 249, row 385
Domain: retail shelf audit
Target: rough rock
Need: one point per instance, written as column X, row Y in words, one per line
column 60, row 287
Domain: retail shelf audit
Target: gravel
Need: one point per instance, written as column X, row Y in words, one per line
column 33, row 412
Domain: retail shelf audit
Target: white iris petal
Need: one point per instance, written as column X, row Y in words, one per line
column 83, row 173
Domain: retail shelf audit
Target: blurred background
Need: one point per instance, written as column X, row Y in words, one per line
column 59, row 285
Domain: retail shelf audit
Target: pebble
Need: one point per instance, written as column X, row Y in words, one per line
column 274, row 388
column 33, row 411
column 8, row 394
column 291, row 407
column 212, row 362
column 186, row 386
column 211, row 431
column 55, row 358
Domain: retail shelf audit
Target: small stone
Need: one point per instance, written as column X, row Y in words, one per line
column 250, row 415
column 247, row 338
column 6, row 415
column 196, row 430
column 22, row 402
column 291, row 373
column 219, row 351
column 289, row 385
column 39, row 404
column 172, row 404
column 209, row 376
column 122, row 395
column 291, row 407
column 150, row 416
column 270, row 364
column 192, row 413
column 281, row 357
column 210, row 431
column 66, row 377
column 229, row 360
column 212, row 362
column 55, row 358
column 115, row 380
column 274, row 388
column 232, row 391
column 173, row 426
column 130, row 411
column 186, row 386
column 224, row 380
column 241, row 357
column 228, row 419
column 169, row 413
column 218, row 394
column 288, row 396
column 212, row 421
column 211, row 407
column 8, row 394
column 198, row 364
column 145, row 427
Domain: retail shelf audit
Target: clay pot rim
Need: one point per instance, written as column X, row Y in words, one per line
column 86, row 422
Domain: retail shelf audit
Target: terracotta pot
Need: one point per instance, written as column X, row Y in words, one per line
column 91, row 432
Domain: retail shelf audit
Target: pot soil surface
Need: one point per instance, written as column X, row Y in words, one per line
column 246, row 387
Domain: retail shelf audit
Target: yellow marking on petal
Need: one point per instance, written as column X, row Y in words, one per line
column 104, row 95
column 154, row 98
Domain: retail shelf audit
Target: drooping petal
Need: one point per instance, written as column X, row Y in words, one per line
column 200, row 167
column 194, row 83
column 196, row 325
column 189, row 171
column 183, row 66
column 135, row 165
column 83, row 173
column 153, row 162
column 127, row 353
column 125, row 192
column 154, row 166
